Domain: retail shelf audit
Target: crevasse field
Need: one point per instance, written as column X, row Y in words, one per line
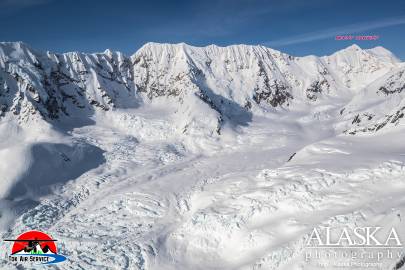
column 183, row 157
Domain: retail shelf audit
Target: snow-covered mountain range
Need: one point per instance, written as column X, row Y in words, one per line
column 183, row 157
column 206, row 85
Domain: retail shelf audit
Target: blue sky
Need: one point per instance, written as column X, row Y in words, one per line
column 298, row 27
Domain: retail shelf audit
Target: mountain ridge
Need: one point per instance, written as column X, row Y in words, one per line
column 152, row 43
column 233, row 82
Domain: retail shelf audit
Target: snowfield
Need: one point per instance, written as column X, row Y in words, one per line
column 181, row 157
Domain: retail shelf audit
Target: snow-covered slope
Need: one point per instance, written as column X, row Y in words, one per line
column 182, row 157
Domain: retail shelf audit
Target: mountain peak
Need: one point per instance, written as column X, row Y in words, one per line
column 16, row 51
column 355, row 52
column 212, row 49
column 15, row 44
column 353, row 47
column 383, row 53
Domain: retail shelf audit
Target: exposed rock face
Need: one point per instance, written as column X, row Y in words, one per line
column 276, row 94
column 380, row 105
column 390, row 119
column 394, row 84
column 316, row 88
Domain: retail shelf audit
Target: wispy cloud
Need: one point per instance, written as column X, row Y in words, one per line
column 332, row 32
column 7, row 6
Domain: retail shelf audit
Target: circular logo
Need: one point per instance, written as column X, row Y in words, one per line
column 34, row 242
